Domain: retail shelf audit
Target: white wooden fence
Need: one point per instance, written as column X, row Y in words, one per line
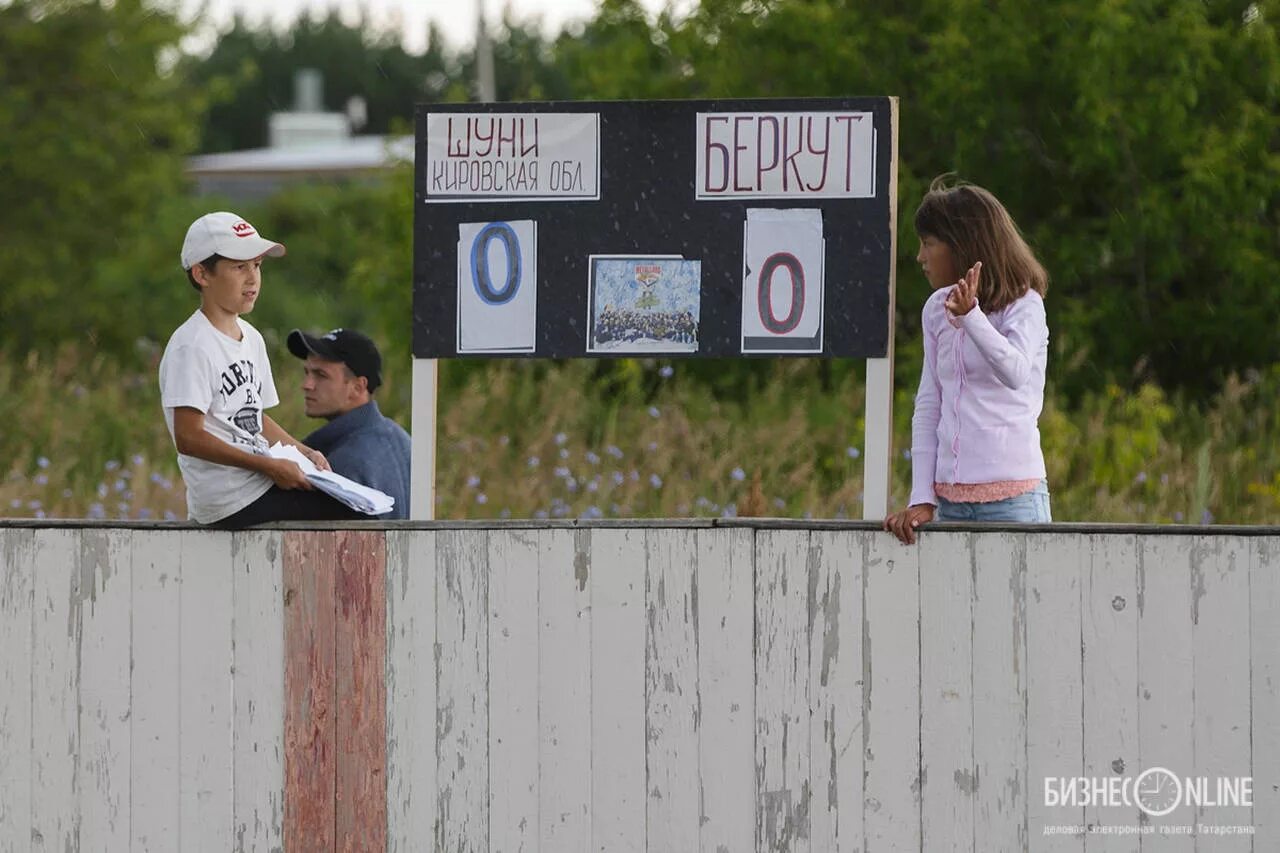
column 677, row 688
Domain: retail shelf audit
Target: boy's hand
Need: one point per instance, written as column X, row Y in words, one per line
column 903, row 524
column 316, row 457
column 287, row 475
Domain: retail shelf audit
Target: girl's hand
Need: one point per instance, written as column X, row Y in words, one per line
column 903, row 524
column 964, row 295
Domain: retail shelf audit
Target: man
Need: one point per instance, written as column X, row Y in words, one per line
column 215, row 382
column 342, row 369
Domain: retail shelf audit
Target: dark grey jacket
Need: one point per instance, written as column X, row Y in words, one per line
column 370, row 448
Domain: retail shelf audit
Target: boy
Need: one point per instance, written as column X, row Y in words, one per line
column 215, row 382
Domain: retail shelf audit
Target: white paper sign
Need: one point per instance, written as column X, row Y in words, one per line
column 497, row 286
column 782, row 281
column 786, row 155
column 512, row 157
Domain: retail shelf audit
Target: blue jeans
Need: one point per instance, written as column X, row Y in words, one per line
column 1031, row 507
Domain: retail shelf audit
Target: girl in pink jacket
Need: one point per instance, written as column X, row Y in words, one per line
column 975, row 446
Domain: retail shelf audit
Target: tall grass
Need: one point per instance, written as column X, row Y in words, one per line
column 525, row 439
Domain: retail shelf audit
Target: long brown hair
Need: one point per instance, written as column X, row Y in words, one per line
column 976, row 226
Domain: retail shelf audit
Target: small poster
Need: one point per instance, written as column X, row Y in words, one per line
column 643, row 304
column 782, row 281
column 497, row 286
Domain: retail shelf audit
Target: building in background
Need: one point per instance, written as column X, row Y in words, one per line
column 305, row 144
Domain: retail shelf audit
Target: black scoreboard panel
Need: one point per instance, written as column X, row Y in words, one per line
column 569, row 229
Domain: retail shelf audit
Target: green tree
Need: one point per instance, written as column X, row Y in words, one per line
column 92, row 136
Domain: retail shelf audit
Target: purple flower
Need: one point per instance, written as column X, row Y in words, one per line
column 506, row 513
column 618, row 479
column 102, row 490
column 564, row 453
column 137, row 459
column 1177, row 516
column 906, row 454
column 852, row 452
column 666, row 371
column 593, row 512
column 593, row 458
column 1206, row 517
column 473, row 481
column 653, row 412
column 561, row 438
column 779, row 503
column 97, row 510
column 533, row 461
column 593, row 485
column 41, row 480
column 144, row 513
column 34, row 505
column 738, row 474
column 655, row 481
column 542, row 513
column 482, row 498
column 169, row 516
column 561, row 471
column 614, row 451
column 15, row 503
column 40, row 514
column 730, row 511
column 1141, row 478
column 111, row 465
column 653, row 445
column 43, row 462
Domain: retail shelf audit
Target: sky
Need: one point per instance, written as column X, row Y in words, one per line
column 457, row 18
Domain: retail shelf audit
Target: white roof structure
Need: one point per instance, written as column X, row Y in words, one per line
column 259, row 172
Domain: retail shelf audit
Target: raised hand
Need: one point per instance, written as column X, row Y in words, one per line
column 964, row 294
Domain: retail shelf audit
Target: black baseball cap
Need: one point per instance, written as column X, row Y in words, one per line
column 348, row 346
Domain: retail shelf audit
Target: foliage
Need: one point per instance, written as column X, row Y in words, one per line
column 94, row 135
column 531, row 439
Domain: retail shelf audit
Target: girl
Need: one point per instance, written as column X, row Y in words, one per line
column 975, row 446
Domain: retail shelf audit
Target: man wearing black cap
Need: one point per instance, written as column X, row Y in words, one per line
column 342, row 369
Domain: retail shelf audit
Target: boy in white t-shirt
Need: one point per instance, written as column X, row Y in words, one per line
column 215, row 382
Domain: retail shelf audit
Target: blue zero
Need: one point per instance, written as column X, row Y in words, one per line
column 764, row 293
column 480, row 275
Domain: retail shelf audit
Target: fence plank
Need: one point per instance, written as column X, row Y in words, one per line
column 891, row 704
column 946, row 691
column 1264, row 682
column 835, row 682
column 999, row 691
column 463, row 740
column 671, row 690
column 103, row 770
column 258, row 690
column 55, row 690
column 617, row 585
column 156, row 713
column 206, row 769
column 726, row 679
column 361, row 817
column 412, row 817
column 310, row 679
column 1109, row 625
column 16, row 597
column 513, row 665
column 1056, row 564
column 564, row 698
column 1166, row 705
column 1220, row 653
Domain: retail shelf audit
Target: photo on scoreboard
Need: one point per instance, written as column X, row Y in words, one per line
column 643, row 304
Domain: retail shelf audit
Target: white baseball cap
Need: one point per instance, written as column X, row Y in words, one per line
column 228, row 235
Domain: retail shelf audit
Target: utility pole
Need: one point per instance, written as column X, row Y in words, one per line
column 485, row 86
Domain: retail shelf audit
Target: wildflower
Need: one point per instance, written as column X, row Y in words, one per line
column 506, row 513
column 906, row 454
column 1141, row 478
column 592, row 512
column 738, row 474
column 102, row 490
column 111, row 465
column 564, row 453
column 666, row 371
column 618, row 479
column 1177, row 516
column 155, row 477
column 97, row 510
column 120, row 485
column 561, row 438
column 169, row 516
column 34, row 505
column 593, row 458
column 562, row 472
column 137, row 460
column 653, row 445
column 15, row 503
column 571, row 484
column 593, row 485
column 614, row 451
column 66, row 493
column 635, row 475
column 43, row 462
column 852, row 452
column 41, row 480
column 1164, row 479
column 614, row 509
column 730, row 511
column 144, row 513
column 779, row 503
column 482, row 498
column 1206, row 517
column 701, row 502
column 533, row 461
column 541, row 514
column 40, row 514
column 655, row 481
column 473, row 481
column 653, row 412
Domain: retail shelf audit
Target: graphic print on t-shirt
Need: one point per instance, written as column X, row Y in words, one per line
column 240, row 380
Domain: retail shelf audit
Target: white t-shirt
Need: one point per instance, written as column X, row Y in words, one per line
column 230, row 381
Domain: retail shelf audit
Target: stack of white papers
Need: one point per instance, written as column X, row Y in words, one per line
column 358, row 497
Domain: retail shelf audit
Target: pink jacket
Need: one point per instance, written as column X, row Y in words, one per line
column 981, row 392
